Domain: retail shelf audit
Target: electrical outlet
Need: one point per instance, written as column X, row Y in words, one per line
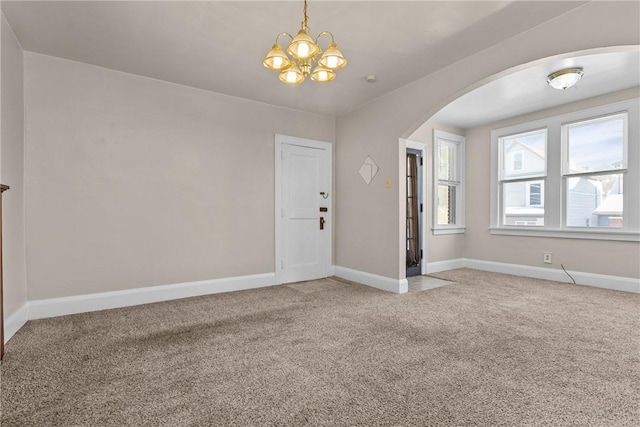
column 546, row 258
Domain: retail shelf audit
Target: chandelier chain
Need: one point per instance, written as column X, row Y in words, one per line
column 306, row 17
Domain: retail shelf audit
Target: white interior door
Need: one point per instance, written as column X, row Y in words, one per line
column 303, row 209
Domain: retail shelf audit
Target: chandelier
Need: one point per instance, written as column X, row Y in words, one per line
column 303, row 51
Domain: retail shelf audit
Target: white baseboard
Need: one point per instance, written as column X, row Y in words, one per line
column 450, row 264
column 616, row 283
column 39, row 309
column 16, row 321
column 397, row 286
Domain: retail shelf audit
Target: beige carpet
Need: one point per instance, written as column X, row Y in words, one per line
column 489, row 350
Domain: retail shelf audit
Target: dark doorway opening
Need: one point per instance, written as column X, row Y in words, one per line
column 414, row 211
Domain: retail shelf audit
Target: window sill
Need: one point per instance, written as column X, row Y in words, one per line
column 449, row 230
column 628, row 236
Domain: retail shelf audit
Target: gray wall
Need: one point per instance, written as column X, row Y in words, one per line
column 370, row 234
column 135, row 182
column 12, row 170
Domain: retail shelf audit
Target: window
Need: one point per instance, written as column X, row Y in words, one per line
column 593, row 170
column 448, row 215
column 565, row 176
column 522, row 187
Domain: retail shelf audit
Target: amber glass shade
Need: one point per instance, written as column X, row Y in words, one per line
column 303, row 46
column 276, row 59
column 291, row 75
column 332, row 58
column 322, row 74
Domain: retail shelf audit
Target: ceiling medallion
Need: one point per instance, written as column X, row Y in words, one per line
column 302, row 53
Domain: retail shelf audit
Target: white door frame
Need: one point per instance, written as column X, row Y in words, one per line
column 308, row 143
column 424, row 234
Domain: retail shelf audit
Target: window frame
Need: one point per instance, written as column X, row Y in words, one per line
column 555, row 182
column 458, row 182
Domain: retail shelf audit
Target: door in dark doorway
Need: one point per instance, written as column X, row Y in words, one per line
column 414, row 210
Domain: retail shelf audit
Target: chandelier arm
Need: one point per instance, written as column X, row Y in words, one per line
column 324, row 33
column 284, row 33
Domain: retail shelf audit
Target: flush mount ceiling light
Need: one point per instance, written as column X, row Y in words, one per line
column 564, row 79
column 302, row 53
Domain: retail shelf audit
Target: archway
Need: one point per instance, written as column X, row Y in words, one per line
column 522, row 92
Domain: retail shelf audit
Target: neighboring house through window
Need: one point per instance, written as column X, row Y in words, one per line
column 522, row 187
column 534, row 194
column 517, row 160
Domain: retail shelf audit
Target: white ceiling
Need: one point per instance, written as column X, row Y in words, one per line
column 219, row 45
column 527, row 91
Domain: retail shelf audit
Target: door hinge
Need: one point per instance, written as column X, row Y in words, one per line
column 420, row 253
column 420, row 161
column 420, row 207
column 281, row 264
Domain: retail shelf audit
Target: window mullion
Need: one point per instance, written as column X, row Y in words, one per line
column 554, row 185
column 529, row 178
column 604, row 172
column 446, row 182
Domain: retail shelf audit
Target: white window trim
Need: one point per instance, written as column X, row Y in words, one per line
column 460, row 165
column 554, row 187
column 578, row 233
